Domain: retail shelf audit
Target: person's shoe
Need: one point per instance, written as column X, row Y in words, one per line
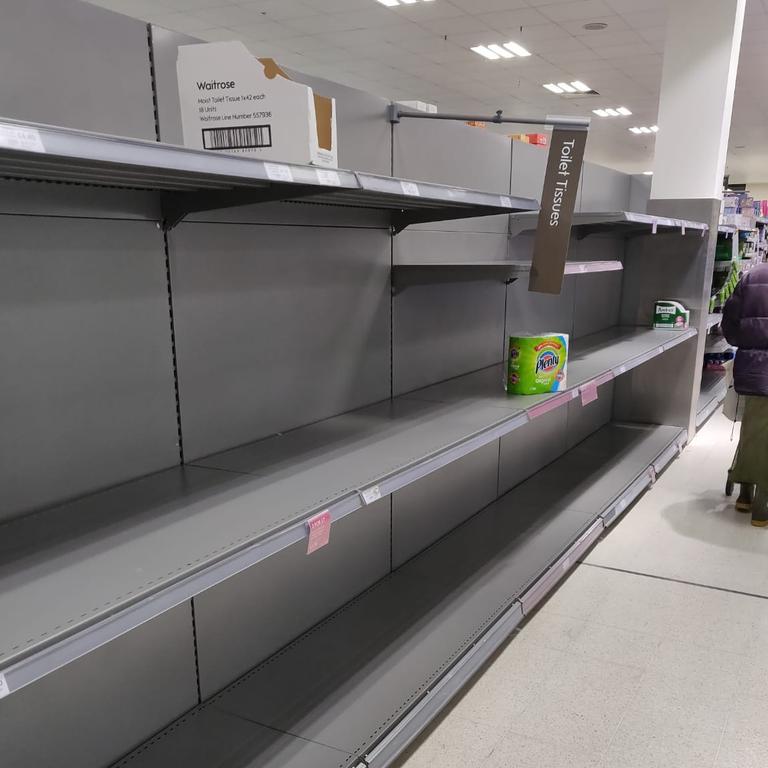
column 746, row 497
column 760, row 521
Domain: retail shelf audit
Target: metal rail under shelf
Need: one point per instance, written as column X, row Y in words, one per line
column 426, row 273
column 712, row 394
column 359, row 687
column 69, row 584
column 191, row 180
column 617, row 222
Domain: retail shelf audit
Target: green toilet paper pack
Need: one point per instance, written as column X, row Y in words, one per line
column 537, row 364
column 670, row 315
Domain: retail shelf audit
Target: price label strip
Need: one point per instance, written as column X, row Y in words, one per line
column 22, row 138
column 505, row 201
column 319, row 529
column 370, row 495
column 589, row 393
column 4, row 689
column 277, row 172
column 329, row 178
column 409, row 188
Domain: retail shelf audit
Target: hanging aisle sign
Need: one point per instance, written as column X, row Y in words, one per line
column 558, row 201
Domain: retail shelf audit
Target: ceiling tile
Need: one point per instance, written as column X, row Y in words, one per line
column 523, row 17
column 486, row 6
column 576, row 27
column 581, row 9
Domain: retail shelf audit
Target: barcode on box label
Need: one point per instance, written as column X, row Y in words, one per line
column 242, row 137
column 330, row 178
column 4, row 690
column 277, row 172
column 371, row 494
column 319, row 528
column 409, row 188
column 16, row 137
column 505, row 202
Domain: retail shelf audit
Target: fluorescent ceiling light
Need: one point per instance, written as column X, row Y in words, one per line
column 517, row 49
column 390, row 3
column 643, row 129
column 600, row 112
column 579, row 86
column 552, row 87
column 567, row 88
column 408, row 2
column 503, row 52
column 655, row 128
column 486, row 52
column 623, row 111
column 647, row 173
column 612, row 112
column 635, row 130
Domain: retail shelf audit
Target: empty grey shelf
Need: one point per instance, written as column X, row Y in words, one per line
column 712, row 394
column 367, row 679
column 69, row 583
column 727, row 229
column 714, row 319
column 616, row 222
column 192, row 180
column 426, row 273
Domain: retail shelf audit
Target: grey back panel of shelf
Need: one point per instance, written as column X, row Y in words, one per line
column 247, row 618
column 85, row 350
column 276, row 327
column 604, row 189
column 91, row 712
column 420, row 149
column 348, row 680
column 76, row 65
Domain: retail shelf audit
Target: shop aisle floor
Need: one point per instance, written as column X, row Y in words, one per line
column 653, row 654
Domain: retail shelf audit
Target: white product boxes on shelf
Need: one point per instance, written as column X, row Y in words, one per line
column 233, row 102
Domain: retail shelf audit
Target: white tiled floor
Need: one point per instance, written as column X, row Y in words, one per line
column 632, row 670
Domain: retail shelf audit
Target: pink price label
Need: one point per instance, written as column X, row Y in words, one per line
column 319, row 528
column 549, row 405
column 589, row 393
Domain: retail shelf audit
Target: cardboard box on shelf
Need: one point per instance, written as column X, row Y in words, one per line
column 233, row 102
column 540, row 139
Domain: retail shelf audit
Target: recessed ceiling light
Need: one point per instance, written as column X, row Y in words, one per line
column 485, row 52
column 655, row 128
column 552, row 87
column 647, row 173
column 600, row 112
column 623, row 111
column 503, row 52
column 635, row 130
column 595, row 26
column 517, row 49
column 408, row 2
column 566, row 87
column 643, row 129
column 612, row 112
column 579, row 86
column 390, row 3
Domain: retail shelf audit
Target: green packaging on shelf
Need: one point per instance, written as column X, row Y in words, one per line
column 537, row 364
column 670, row 315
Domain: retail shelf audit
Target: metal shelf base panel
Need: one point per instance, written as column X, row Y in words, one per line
column 369, row 678
column 192, row 180
column 69, row 584
column 428, row 273
column 712, row 395
column 622, row 223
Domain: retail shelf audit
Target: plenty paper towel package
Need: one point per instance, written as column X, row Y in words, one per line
column 670, row 315
column 233, row 102
column 537, row 364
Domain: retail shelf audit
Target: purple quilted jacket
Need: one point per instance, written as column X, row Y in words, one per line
column 745, row 325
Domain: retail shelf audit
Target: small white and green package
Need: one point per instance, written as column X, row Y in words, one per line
column 670, row 315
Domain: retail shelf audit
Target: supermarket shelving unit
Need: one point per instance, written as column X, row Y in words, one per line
column 267, row 342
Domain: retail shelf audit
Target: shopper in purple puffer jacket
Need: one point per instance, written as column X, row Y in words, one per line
column 745, row 325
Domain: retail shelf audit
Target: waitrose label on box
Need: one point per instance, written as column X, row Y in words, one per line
column 233, row 102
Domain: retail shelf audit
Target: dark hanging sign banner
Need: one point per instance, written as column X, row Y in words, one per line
column 558, row 201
